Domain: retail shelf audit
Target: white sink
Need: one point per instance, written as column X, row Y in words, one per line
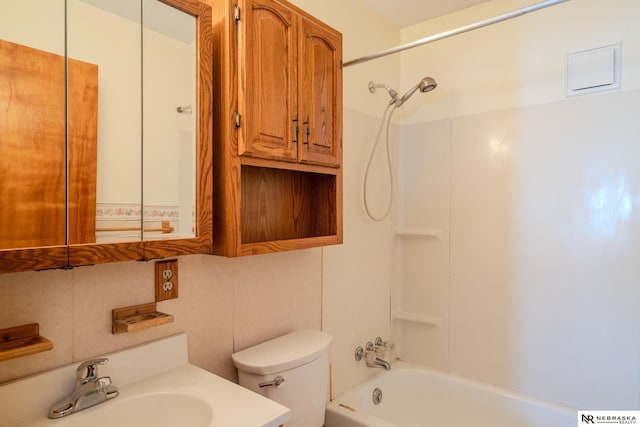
column 158, row 387
column 157, row 410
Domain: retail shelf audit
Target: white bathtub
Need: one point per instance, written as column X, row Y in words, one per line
column 415, row 396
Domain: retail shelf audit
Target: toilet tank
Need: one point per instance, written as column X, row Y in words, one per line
column 301, row 360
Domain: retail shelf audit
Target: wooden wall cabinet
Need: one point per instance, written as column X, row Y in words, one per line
column 278, row 155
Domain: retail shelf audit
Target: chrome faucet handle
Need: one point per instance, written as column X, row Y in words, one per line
column 88, row 371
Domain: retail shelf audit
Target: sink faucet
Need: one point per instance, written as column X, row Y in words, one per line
column 90, row 390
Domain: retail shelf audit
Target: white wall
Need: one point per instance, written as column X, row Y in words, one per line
column 517, row 62
column 538, row 200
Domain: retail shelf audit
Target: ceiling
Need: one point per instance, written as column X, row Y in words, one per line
column 403, row 13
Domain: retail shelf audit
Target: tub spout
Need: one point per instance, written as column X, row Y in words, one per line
column 376, row 362
column 383, row 364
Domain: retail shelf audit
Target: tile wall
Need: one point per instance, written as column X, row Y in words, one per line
column 540, row 286
column 225, row 305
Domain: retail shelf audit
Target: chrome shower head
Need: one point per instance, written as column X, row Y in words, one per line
column 427, row 84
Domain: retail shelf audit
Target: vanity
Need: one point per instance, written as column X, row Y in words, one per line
column 162, row 391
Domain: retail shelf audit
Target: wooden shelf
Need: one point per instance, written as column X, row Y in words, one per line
column 279, row 204
column 22, row 341
column 137, row 317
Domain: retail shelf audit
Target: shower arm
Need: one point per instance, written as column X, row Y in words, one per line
column 392, row 93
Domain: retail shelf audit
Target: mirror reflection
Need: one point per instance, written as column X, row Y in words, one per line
column 32, row 124
column 169, row 119
column 126, row 159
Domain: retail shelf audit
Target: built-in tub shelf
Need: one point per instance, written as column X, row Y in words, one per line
column 433, row 234
column 425, row 319
column 22, row 341
column 137, row 317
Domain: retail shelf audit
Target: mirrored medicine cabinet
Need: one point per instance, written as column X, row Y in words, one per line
column 105, row 131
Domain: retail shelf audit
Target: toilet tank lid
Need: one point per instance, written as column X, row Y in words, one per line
column 283, row 353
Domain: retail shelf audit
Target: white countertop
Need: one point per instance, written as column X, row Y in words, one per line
column 26, row 402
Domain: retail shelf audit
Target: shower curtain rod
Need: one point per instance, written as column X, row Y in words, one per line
column 464, row 29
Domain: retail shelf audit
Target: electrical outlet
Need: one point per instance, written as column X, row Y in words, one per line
column 166, row 279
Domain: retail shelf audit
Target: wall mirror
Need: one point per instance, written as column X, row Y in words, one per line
column 105, row 140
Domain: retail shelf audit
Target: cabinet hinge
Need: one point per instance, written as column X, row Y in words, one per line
column 236, row 119
column 236, row 13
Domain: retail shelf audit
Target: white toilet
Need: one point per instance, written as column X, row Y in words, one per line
column 292, row 370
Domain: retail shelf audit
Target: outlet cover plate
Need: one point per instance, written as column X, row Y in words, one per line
column 166, row 279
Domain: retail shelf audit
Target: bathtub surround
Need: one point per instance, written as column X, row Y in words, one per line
column 516, row 316
column 544, row 267
column 537, row 198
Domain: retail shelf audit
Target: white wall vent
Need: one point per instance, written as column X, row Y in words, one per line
column 593, row 70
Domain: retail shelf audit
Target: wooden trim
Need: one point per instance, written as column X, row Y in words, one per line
column 16, row 260
column 90, row 254
column 275, row 164
column 288, row 245
column 226, row 167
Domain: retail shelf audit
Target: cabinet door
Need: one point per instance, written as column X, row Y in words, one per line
column 320, row 93
column 267, row 98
